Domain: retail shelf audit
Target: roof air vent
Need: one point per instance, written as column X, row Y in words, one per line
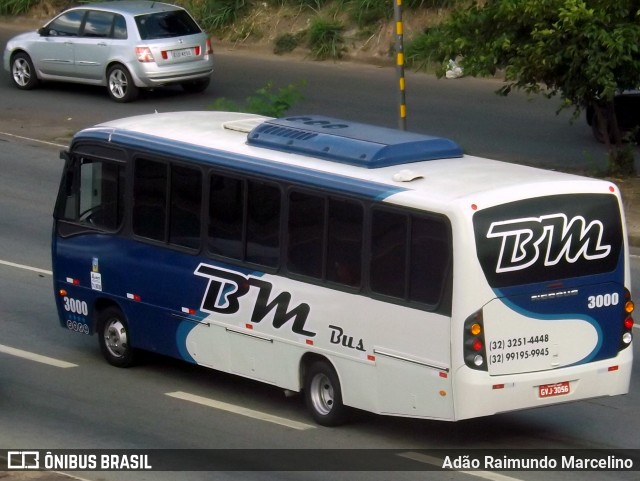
column 349, row 142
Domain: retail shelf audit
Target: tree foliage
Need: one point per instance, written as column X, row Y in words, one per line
column 585, row 51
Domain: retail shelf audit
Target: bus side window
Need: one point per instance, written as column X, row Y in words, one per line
column 388, row 253
column 150, row 199
column 344, row 242
column 186, row 200
column 244, row 220
column 410, row 256
column 95, row 196
column 306, row 234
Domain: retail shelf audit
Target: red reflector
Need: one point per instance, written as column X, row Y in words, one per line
column 498, row 386
column 248, row 326
column 477, row 345
column 613, row 368
column 443, row 375
column 628, row 323
column 309, row 342
column 371, row 357
column 76, row 282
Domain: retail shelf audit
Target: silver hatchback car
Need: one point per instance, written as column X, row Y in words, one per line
column 124, row 45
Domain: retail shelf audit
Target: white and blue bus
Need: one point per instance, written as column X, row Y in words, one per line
column 366, row 267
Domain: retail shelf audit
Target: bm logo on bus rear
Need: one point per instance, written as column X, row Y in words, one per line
column 548, row 238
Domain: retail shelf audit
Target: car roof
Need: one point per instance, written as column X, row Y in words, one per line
column 133, row 7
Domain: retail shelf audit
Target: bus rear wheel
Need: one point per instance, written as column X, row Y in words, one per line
column 113, row 337
column 323, row 395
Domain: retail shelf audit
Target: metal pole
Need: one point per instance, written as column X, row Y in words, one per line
column 397, row 12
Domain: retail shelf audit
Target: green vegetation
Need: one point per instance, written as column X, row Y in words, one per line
column 326, row 39
column 265, row 101
column 584, row 51
column 288, row 42
column 16, row 7
column 213, row 15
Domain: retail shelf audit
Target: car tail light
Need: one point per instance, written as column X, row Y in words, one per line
column 144, row 54
column 475, row 353
column 209, row 47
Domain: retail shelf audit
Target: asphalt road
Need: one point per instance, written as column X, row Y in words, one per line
column 72, row 399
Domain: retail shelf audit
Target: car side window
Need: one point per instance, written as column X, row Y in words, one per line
column 98, row 24
column 120, row 28
column 67, row 24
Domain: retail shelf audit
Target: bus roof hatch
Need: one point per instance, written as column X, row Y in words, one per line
column 349, row 142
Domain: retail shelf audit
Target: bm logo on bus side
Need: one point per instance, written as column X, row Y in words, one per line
column 225, row 288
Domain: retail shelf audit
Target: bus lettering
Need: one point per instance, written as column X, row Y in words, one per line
column 338, row 337
column 560, row 238
column 225, row 288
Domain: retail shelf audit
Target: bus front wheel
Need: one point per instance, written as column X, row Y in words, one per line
column 323, row 395
column 113, row 336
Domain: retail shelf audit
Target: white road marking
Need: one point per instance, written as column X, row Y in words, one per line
column 32, row 139
column 27, row 268
column 423, row 458
column 36, row 357
column 232, row 408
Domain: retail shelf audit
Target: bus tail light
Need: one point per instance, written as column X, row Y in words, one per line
column 475, row 354
column 627, row 322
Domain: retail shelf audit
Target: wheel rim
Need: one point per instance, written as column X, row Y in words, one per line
column 115, row 338
column 322, row 395
column 21, row 72
column 118, row 83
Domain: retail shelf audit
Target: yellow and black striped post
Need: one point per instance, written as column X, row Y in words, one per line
column 397, row 13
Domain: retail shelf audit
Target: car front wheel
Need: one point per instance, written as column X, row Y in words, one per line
column 22, row 71
column 120, row 84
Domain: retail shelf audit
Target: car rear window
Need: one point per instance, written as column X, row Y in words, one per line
column 166, row 24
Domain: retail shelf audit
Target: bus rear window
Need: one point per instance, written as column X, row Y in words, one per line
column 548, row 238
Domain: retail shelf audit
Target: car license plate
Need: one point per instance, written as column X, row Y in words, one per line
column 550, row 390
column 184, row 52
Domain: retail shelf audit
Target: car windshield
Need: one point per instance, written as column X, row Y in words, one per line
column 166, row 24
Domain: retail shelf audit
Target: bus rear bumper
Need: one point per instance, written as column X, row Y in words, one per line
column 478, row 394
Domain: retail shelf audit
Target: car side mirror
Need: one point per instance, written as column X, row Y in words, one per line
column 43, row 32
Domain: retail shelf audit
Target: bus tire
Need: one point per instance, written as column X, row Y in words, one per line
column 113, row 337
column 323, row 395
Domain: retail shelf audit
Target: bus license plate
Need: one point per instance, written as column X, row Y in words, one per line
column 558, row 389
column 185, row 52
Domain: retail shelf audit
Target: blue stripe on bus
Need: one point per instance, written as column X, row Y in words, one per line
column 233, row 161
column 608, row 329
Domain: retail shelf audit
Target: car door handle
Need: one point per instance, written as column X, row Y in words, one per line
column 102, row 44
